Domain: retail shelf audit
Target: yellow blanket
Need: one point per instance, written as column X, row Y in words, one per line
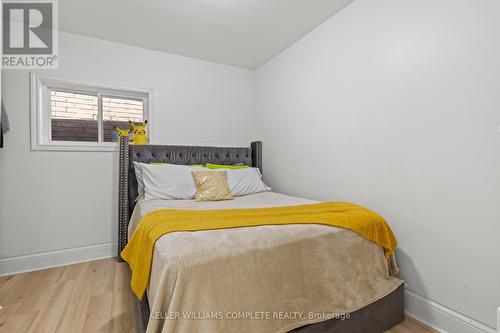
column 139, row 250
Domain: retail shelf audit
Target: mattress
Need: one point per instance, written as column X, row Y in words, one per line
column 285, row 269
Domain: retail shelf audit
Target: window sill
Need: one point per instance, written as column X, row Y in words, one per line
column 75, row 146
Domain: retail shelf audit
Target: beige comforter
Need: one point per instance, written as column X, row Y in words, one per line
column 260, row 279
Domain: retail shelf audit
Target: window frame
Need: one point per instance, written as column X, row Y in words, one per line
column 41, row 120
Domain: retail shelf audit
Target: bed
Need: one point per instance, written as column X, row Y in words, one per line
column 286, row 268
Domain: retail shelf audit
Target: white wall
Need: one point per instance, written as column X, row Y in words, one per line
column 59, row 200
column 395, row 105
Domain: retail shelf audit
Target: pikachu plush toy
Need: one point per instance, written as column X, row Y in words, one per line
column 122, row 132
column 140, row 137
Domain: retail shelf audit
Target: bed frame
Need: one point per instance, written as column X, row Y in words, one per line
column 374, row 318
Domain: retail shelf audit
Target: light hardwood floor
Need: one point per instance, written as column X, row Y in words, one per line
column 88, row 297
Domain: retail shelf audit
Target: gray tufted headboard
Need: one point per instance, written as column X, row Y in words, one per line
column 174, row 155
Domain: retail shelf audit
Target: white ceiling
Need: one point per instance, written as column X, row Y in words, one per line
column 244, row 33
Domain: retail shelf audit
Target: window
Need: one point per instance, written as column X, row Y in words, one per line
column 76, row 116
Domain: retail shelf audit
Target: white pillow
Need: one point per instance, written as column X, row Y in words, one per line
column 138, row 175
column 245, row 181
column 169, row 181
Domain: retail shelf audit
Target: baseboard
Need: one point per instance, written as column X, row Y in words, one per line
column 34, row 262
column 441, row 318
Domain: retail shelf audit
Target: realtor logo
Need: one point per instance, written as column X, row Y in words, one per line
column 29, row 34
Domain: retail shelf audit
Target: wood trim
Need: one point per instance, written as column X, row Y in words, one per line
column 44, row 260
column 439, row 317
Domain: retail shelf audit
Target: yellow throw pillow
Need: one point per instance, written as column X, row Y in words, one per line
column 211, row 186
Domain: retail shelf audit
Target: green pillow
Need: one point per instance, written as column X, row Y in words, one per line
column 221, row 166
column 161, row 163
